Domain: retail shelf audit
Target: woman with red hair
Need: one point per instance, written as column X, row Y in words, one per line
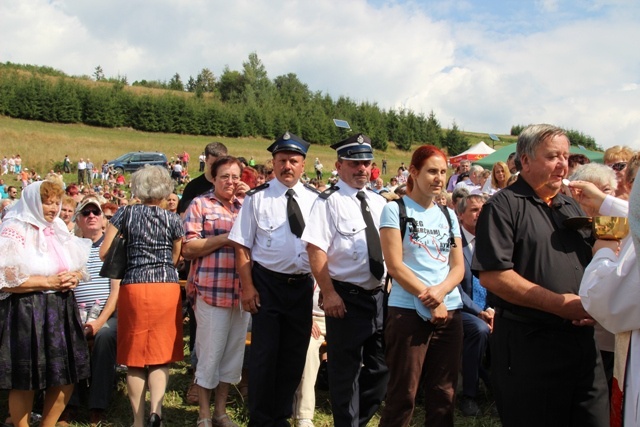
column 424, row 324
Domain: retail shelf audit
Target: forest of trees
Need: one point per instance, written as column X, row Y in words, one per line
column 235, row 104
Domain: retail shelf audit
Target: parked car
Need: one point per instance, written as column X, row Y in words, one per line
column 134, row 160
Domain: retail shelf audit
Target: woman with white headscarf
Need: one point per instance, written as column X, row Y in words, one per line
column 42, row 344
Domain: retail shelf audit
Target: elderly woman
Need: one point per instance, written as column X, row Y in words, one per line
column 214, row 289
column 423, row 333
column 149, row 313
column 610, row 292
column 602, row 176
column 499, row 177
column 42, row 344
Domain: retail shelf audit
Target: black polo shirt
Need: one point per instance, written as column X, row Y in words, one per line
column 193, row 189
column 518, row 230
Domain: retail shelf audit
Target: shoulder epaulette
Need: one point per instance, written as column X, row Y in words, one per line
column 329, row 191
column 311, row 187
column 257, row 189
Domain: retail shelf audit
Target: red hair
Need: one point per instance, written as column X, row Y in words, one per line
column 420, row 156
column 72, row 190
column 249, row 176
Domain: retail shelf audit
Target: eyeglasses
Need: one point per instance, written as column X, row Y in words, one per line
column 229, row 177
column 88, row 212
column 618, row 166
column 108, row 216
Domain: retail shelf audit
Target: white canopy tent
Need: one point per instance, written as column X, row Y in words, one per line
column 476, row 152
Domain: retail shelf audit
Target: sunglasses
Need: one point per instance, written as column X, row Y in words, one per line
column 619, row 166
column 108, row 216
column 88, row 212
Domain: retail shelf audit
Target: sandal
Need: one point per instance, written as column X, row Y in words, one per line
column 223, row 421
column 205, row 421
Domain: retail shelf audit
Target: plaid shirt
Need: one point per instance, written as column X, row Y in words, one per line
column 213, row 277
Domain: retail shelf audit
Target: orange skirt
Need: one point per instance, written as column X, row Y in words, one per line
column 149, row 324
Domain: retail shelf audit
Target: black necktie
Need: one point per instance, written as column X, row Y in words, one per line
column 376, row 264
column 296, row 221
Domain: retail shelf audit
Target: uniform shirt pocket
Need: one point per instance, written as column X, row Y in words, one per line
column 350, row 227
column 270, row 223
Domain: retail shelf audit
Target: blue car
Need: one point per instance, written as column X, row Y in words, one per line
column 133, row 161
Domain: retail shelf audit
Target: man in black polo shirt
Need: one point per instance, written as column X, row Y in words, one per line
column 545, row 365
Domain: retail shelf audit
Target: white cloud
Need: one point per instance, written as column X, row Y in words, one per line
column 481, row 64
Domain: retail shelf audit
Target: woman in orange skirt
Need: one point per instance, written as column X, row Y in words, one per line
column 149, row 305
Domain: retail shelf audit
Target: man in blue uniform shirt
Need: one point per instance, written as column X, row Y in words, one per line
column 346, row 260
column 277, row 286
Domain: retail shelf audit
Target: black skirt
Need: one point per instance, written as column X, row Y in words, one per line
column 42, row 343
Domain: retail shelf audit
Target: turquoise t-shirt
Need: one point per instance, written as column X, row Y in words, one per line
column 425, row 251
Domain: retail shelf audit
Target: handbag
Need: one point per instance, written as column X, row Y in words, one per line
column 115, row 261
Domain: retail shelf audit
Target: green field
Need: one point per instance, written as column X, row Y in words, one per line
column 41, row 145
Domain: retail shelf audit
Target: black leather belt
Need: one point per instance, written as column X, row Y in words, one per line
column 353, row 289
column 289, row 278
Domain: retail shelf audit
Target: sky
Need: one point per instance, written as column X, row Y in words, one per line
column 485, row 64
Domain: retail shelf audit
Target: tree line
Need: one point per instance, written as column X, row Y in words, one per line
column 236, row 104
column 244, row 103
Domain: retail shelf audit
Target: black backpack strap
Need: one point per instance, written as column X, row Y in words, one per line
column 445, row 211
column 402, row 213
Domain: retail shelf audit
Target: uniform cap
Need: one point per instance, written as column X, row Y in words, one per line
column 356, row 147
column 290, row 142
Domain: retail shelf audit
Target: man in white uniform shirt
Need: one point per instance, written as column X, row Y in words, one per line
column 346, row 260
column 277, row 286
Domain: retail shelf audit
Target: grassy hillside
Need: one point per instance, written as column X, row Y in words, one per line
column 42, row 144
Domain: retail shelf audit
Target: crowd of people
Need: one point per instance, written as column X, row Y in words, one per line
column 492, row 275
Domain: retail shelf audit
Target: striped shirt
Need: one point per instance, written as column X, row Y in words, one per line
column 214, row 277
column 150, row 232
column 97, row 287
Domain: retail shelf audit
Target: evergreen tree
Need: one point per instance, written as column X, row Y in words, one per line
column 455, row 141
column 206, row 81
column 433, row 131
column 231, row 86
column 578, row 138
column 98, row 74
column 258, row 87
column 176, row 83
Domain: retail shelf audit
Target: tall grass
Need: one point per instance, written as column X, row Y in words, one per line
column 41, row 145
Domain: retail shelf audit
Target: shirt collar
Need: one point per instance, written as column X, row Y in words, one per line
column 467, row 235
column 349, row 190
column 521, row 188
column 235, row 202
column 281, row 188
column 98, row 242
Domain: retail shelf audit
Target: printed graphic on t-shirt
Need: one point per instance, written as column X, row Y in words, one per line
column 434, row 239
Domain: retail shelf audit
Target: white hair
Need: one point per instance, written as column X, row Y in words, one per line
column 151, row 183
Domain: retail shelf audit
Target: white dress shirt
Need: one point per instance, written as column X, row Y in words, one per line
column 338, row 229
column 262, row 227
